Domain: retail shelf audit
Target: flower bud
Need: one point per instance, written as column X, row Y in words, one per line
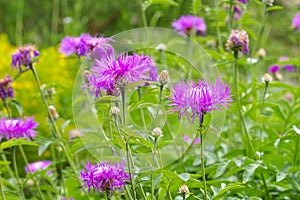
column 161, row 47
column 53, row 112
column 163, row 77
column 261, row 53
column 267, row 78
column 156, row 132
column 268, row 2
column 184, row 189
column 114, row 110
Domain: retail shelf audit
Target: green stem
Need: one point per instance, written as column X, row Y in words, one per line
column 183, row 196
column 143, row 10
column 6, row 108
column 161, row 88
column 141, row 110
column 22, row 195
column 296, row 151
column 265, row 186
column 129, row 169
column 142, row 191
column 123, row 104
column 1, row 188
column 65, row 147
column 19, row 22
column 202, row 132
column 262, row 112
column 29, row 171
column 244, row 128
column 230, row 14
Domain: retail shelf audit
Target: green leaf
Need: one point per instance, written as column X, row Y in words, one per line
column 18, row 106
column 64, row 125
column 184, row 176
column 16, row 142
column 228, row 188
column 43, row 147
column 280, row 175
column 273, row 8
column 296, row 129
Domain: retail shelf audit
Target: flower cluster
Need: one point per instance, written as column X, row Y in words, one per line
column 84, row 45
column 6, row 89
column 296, row 22
column 18, row 128
column 104, row 177
column 109, row 73
column 37, row 166
column 187, row 24
column 238, row 41
column 25, row 56
column 199, row 98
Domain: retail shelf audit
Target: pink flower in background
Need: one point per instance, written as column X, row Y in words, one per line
column 199, row 98
column 18, row 128
column 274, row 68
column 296, row 22
column 84, row 45
column 6, row 89
column 104, row 177
column 237, row 12
column 289, row 67
column 243, row 1
column 24, row 56
column 188, row 24
column 38, row 165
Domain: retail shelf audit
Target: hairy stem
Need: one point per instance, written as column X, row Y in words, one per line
column 243, row 124
column 21, row 192
column 202, row 132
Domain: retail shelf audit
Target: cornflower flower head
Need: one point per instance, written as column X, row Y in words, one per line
column 24, row 56
column 199, row 98
column 187, row 24
column 42, row 164
column 238, row 41
column 274, row 68
column 18, row 128
column 110, row 73
column 84, row 45
column 6, row 89
column 296, row 22
column 289, row 67
column 104, row 177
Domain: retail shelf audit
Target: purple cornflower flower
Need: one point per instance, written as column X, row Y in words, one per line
column 84, row 45
column 243, row 1
column 18, row 128
column 43, row 164
column 296, row 22
column 274, row 68
column 199, row 98
column 108, row 72
column 24, row 56
column 289, row 67
column 186, row 24
column 104, row 177
column 238, row 41
column 6, row 89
